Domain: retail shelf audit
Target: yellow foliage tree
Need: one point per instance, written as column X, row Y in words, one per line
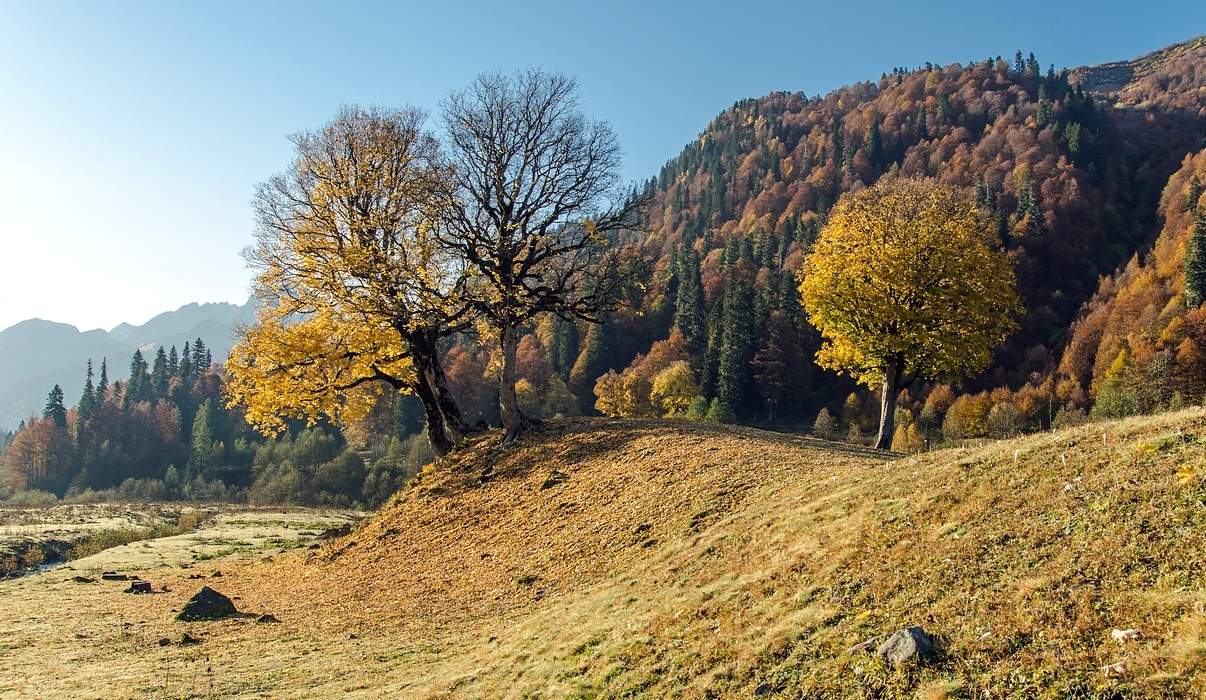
column 356, row 290
column 905, row 283
column 673, row 389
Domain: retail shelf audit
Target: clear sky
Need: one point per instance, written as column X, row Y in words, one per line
column 132, row 134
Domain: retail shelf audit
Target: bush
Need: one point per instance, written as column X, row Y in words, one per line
column 967, row 418
column 142, row 490
column 1005, row 420
column 1069, row 416
column 33, row 498
column 698, row 410
column 823, row 426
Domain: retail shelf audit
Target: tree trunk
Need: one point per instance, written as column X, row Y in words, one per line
column 445, row 426
column 512, row 419
column 887, row 407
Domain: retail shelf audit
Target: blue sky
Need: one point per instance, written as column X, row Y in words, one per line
column 132, row 134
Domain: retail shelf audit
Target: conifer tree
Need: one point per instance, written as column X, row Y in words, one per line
column 737, row 344
column 873, row 142
column 173, row 362
column 923, row 133
column 102, row 384
column 1195, row 263
column 186, row 366
column 592, row 362
column 87, row 405
column 1193, row 195
column 55, row 410
column 138, row 386
column 159, row 375
column 201, row 446
column 689, row 311
column 201, row 359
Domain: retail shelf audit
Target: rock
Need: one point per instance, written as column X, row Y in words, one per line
column 762, row 689
column 906, row 644
column 114, row 576
column 195, row 576
column 165, row 642
column 267, row 618
column 83, row 579
column 1122, row 636
column 138, row 587
column 187, row 640
column 216, row 574
column 1117, row 670
column 207, row 604
column 863, row 647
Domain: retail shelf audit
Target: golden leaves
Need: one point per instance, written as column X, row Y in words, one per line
column 904, row 270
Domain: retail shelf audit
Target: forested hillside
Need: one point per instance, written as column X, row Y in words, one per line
column 1069, row 178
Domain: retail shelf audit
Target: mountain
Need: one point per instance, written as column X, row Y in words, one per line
column 1069, row 166
column 37, row 354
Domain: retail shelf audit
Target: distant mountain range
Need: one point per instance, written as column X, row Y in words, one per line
column 36, row 354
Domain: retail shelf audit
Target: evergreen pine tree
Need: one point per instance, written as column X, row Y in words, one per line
column 173, row 362
column 202, row 443
column 923, row 133
column 688, row 310
column 1019, row 66
column 737, row 344
column 592, row 362
column 200, row 358
column 138, row 386
column 1195, row 263
column 87, row 405
column 55, row 410
column 102, row 384
column 1193, row 195
column 186, row 366
column 159, row 375
column 873, row 143
column 711, row 360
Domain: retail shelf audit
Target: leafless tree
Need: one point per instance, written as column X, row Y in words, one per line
column 535, row 208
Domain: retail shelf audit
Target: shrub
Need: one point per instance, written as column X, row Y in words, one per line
column 1005, row 420
column 967, row 417
column 823, row 426
column 33, row 498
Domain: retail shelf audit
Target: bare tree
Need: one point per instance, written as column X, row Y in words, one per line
column 535, row 208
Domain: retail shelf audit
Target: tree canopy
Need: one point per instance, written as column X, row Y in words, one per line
column 905, row 283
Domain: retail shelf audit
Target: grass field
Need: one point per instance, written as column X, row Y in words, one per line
column 633, row 558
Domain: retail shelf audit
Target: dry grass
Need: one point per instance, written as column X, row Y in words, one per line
column 679, row 560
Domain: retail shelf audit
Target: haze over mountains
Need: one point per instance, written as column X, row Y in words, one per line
column 37, row 354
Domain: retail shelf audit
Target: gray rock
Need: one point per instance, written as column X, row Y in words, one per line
column 139, row 587
column 762, row 689
column 208, row 604
column 906, row 644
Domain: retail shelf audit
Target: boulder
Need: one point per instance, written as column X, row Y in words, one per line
column 138, row 587
column 207, row 604
column 906, row 644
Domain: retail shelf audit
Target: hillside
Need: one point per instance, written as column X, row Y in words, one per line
column 682, row 560
column 36, row 354
column 1069, row 175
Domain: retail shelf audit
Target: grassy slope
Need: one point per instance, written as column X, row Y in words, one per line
column 683, row 560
